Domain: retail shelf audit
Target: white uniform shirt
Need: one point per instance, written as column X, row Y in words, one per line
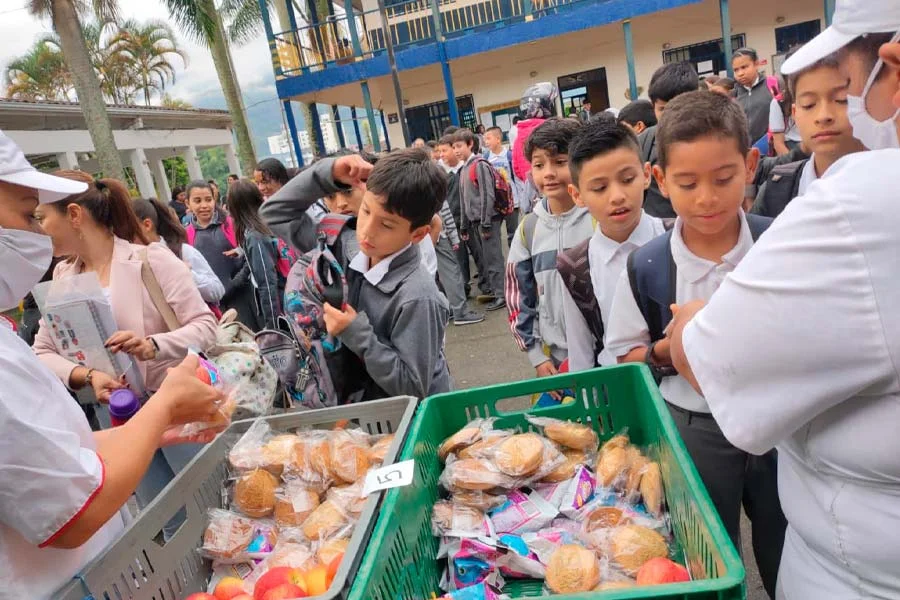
column 807, row 175
column 607, row 260
column 800, row 349
column 49, row 472
column 696, row 279
column 779, row 124
column 429, row 256
column 374, row 275
column 209, row 284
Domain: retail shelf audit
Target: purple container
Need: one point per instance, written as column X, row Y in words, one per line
column 123, row 404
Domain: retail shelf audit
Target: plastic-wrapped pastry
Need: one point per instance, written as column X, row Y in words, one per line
column 325, row 521
column 633, row 545
column 572, row 569
column 293, row 505
column 519, row 455
column 254, row 493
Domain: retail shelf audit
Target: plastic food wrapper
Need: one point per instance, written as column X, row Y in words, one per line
column 349, row 460
column 479, row 591
column 327, row 521
column 232, row 538
column 575, row 436
column 455, row 520
column 466, row 436
column 544, row 542
column 483, row 501
column 380, row 448
column 349, row 497
column 489, row 440
column 311, row 460
column 569, row 497
column 522, row 513
column 474, row 560
column 254, row 493
column 294, row 503
column 572, row 569
column 210, row 374
column 475, row 474
column 246, row 454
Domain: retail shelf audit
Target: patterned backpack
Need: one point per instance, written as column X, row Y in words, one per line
column 575, row 270
column 504, row 203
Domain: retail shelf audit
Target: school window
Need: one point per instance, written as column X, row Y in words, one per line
column 428, row 121
column 791, row 36
column 707, row 57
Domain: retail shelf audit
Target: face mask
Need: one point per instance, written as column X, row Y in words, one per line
column 874, row 134
column 25, row 256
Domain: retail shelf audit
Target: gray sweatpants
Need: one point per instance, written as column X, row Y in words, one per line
column 734, row 478
column 450, row 276
column 491, row 256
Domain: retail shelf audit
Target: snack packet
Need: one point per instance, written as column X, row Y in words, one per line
column 569, row 497
column 479, row 591
column 233, row 538
column 522, row 513
column 451, row 519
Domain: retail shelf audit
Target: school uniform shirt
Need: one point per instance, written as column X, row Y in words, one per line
column 696, row 279
column 778, row 123
column 607, row 260
column 429, row 256
column 49, row 473
column 807, row 175
column 799, row 350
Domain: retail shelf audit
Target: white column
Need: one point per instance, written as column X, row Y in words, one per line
column 233, row 165
column 67, row 161
column 193, row 163
column 162, row 182
column 142, row 173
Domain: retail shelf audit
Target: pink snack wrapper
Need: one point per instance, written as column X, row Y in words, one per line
column 521, row 513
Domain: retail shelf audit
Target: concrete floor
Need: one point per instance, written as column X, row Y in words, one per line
column 485, row 354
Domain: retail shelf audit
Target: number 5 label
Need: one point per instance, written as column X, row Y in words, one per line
column 391, row 476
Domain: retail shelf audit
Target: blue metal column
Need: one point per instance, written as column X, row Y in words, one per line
column 337, row 125
column 725, row 17
column 292, row 129
column 629, row 58
column 387, row 137
column 319, row 139
column 270, row 35
column 829, row 12
column 370, row 115
column 359, row 143
column 445, row 64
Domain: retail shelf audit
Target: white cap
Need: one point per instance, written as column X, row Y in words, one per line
column 15, row 168
column 852, row 18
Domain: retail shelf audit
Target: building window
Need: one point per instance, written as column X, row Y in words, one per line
column 428, row 121
column 707, row 57
column 790, row 36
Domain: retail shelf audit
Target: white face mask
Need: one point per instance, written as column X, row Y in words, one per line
column 25, row 256
column 874, row 134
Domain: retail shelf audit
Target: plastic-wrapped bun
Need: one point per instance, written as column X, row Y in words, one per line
column 277, row 453
column 572, row 569
column 480, row 500
column 633, row 545
column 349, row 459
column 520, row 455
column 294, row 504
column 325, row 521
column 380, row 449
column 247, row 453
column 572, row 435
column 652, row 490
column 293, row 555
column 566, row 471
column 254, row 494
column 612, row 466
column 617, row 441
column 637, row 464
column 459, row 440
column 311, row 460
column 349, row 497
column 448, row 516
column 331, row 550
column 484, row 447
column 227, row 535
column 474, row 474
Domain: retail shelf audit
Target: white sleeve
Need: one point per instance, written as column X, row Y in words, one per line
column 579, row 340
column 776, row 117
column 627, row 329
column 47, row 478
column 794, row 330
column 210, row 286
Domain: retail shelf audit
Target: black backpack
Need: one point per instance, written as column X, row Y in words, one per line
column 655, row 204
column 652, row 275
column 782, row 186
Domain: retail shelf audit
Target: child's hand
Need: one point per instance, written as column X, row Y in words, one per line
column 351, row 170
column 337, row 321
column 546, row 369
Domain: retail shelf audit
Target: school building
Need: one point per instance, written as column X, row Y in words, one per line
column 484, row 53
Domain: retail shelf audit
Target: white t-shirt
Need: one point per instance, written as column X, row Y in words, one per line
column 800, row 349
column 779, row 124
column 607, row 260
column 696, row 279
column 49, row 471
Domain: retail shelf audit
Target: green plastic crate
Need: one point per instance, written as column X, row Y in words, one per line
column 400, row 564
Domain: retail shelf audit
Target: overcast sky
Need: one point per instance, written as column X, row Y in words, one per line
column 18, row 30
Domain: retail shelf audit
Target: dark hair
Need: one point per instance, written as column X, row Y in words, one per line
column 197, row 183
column 431, row 144
column 597, row 138
column 604, row 116
column 672, row 80
column 466, row 136
column 450, row 130
column 585, row 101
column 553, row 135
column 699, row 114
column 868, row 46
column 497, row 129
column 164, row 220
column 479, row 129
column 244, row 201
column 108, row 202
column 232, row 176
column 176, row 192
column 516, row 119
column 831, row 61
column 273, row 169
column 638, row 111
column 446, row 140
column 749, row 52
column 412, row 185
column 725, row 82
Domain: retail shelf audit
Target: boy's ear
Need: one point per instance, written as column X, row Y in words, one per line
column 660, row 175
column 575, row 195
column 648, row 174
column 751, row 161
column 639, row 128
column 419, row 233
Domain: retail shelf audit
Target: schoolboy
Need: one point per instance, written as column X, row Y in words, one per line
column 394, row 318
column 534, row 289
column 501, row 159
column 820, row 112
column 609, row 179
column 479, row 221
column 668, row 82
column 638, row 116
column 704, row 164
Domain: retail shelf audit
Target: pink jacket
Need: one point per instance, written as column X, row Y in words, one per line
column 521, row 166
column 134, row 310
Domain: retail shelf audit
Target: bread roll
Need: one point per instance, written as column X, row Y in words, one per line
column 380, row 449
column 349, row 460
column 572, row 435
column 633, row 545
column 459, row 440
column 277, row 453
column 254, row 494
column 449, row 516
column 612, row 466
column 520, row 455
column 617, row 441
column 572, row 569
column 474, row 474
column 325, row 521
column 293, row 506
column 652, row 489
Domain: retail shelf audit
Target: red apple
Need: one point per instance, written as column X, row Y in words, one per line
column 228, row 588
column 661, row 570
column 285, row 591
column 201, row 596
column 334, row 566
column 271, row 578
column 243, row 597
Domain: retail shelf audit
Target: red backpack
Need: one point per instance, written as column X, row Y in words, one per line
column 504, row 204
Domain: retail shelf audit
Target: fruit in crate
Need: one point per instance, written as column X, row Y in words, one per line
column 229, row 588
column 201, row 596
column 316, row 580
column 661, row 570
column 285, row 591
column 276, row 577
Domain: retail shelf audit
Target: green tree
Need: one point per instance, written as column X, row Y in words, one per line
column 66, row 16
column 176, row 172
column 214, row 165
column 149, row 48
column 40, row 74
column 168, row 101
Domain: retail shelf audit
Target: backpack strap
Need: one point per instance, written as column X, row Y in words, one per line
column 574, row 267
column 512, row 172
column 653, row 275
column 228, row 230
column 191, row 232
column 528, row 226
column 758, row 225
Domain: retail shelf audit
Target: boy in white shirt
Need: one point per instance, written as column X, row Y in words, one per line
column 609, row 179
column 704, row 164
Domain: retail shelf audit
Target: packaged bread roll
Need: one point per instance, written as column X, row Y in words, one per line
column 349, row 497
column 447, row 516
column 294, row 504
column 566, row 470
column 652, row 489
column 254, row 493
column 474, row 474
column 612, row 467
column 331, row 549
column 617, row 441
column 227, row 535
column 483, row 501
column 519, row 455
column 567, row 433
column 380, row 449
column 311, row 460
column 484, row 447
column 349, row 459
column 572, row 569
column 325, row 521
column 293, row 555
column 277, row 453
column 633, row 545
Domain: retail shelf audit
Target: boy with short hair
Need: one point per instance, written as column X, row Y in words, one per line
column 668, row 82
column 480, row 222
column 501, row 160
column 704, row 164
column 534, row 289
column 609, row 179
column 820, row 112
column 638, row 116
column 394, row 318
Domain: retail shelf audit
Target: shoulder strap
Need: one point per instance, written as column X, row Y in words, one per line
column 191, row 232
column 512, row 172
column 156, row 293
column 758, row 224
column 228, row 230
column 528, row 226
column 574, row 267
column 652, row 275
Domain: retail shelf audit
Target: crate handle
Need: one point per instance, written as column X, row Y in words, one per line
column 84, row 586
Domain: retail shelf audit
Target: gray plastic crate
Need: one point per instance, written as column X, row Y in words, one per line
column 137, row 567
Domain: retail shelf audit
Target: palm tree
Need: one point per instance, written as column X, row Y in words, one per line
column 66, row 18
column 201, row 20
column 170, row 102
column 40, row 74
column 149, row 48
column 118, row 77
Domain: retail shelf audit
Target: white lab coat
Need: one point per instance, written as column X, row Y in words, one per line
column 800, row 349
column 49, row 472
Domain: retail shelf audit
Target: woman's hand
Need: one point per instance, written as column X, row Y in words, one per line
column 187, row 398
column 129, row 342
column 174, row 436
column 104, row 386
